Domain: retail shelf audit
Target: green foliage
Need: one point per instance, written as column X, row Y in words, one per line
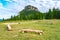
column 30, row 15
column 35, row 15
column 3, row 19
column 54, row 14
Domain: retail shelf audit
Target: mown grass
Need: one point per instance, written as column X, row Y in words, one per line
column 51, row 29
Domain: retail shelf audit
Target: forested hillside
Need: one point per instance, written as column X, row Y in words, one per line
column 32, row 13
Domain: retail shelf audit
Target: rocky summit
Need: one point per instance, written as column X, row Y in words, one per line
column 29, row 7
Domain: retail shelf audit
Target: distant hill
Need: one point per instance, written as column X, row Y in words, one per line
column 30, row 12
column 0, row 19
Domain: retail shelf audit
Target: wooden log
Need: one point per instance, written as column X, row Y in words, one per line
column 40, row 32
column 9, row 27
column 25, row 30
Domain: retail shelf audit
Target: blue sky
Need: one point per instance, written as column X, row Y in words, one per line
column 12, row 7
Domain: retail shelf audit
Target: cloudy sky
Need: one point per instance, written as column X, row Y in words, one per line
column 12, row 7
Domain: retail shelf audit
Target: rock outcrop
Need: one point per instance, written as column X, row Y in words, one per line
column 29, row 7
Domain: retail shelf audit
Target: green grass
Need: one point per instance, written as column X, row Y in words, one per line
column 51, row 29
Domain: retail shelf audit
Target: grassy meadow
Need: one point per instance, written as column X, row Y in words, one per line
column 51, row 29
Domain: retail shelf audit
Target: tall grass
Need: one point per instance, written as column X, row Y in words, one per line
column 51, row 29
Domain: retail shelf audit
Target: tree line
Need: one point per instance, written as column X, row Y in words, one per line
column 36, row 15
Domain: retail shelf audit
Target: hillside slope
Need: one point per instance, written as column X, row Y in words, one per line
column 30, row 12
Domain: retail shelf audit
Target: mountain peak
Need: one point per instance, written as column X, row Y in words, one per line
column 29, row 7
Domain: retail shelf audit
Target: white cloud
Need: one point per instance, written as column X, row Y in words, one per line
column 17, row 5
column 1, row 5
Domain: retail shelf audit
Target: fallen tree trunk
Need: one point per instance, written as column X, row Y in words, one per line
column 40, row 32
